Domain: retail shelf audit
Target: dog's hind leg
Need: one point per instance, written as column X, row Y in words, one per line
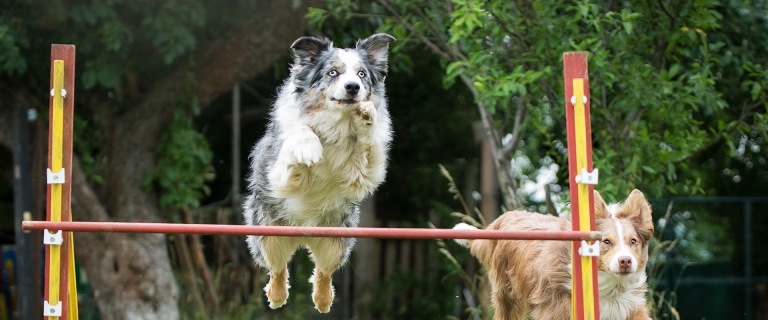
column 558, row 307
column 507, row 307
column 277, row 251
column 641, row 313
column 328, row 254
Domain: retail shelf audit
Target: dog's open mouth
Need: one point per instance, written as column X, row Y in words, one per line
column 344, row 101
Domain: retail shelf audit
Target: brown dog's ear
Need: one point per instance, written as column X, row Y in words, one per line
column 601, row 210
column 637, row 209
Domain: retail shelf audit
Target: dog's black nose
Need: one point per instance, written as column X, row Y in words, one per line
column 352, row 87
column 625, row 262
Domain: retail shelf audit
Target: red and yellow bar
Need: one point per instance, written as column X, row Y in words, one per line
column 59, row 268
column 584, row 296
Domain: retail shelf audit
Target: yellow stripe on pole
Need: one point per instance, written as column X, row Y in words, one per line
column 72, row 312
column 58, row 116
column 57, row 142
column 580, row 121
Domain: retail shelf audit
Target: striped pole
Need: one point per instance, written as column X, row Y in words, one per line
column 582, row 177
column 59, row 267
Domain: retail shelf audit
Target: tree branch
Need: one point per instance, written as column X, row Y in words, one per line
column 510, row 31
column 432, row 27
column 370, row 15
column 507, row 183
column 196, row 249
column 746, row 112
column 418, row 34
column 517, row 128
column 669, row 14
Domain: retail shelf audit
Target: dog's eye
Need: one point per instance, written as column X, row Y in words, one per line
column 361, row 74
column 333, row 73
column 606, row 241
column 633, row 241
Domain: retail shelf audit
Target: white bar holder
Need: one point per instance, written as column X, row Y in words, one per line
column 52, row 238
column 588, row 177
column 55, row 178
column 51, row 311
column 63, row 93
column 589, row 250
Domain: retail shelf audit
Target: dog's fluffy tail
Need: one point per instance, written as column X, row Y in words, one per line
column 463, row 226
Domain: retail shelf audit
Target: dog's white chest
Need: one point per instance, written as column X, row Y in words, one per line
column 352, row 165
column 619, row 296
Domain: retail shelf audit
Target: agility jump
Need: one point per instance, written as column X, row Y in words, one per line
column 60, row 299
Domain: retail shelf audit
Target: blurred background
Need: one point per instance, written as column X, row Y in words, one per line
column 171, row 96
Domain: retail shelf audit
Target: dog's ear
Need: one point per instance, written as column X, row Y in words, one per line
column 376, row 49
column 637, row 209
column 306, row 50
column 601, row 210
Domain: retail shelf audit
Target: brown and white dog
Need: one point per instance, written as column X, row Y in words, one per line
column 535, row 276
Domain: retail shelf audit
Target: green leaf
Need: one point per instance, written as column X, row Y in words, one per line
column 627, row 26
column 649, row 169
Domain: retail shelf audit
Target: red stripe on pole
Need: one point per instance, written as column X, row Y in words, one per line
column 334, row 232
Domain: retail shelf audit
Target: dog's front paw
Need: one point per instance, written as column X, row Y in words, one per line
column 306, row 150
column 366, row 113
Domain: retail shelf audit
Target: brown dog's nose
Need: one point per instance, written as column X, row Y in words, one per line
column 625, row 262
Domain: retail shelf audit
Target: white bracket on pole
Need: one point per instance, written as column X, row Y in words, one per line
column 52, row 238
column 589, row 250
column 55, row 178
column 51, row 311
column 63, row 93
column 587, row 177
column 583, row 99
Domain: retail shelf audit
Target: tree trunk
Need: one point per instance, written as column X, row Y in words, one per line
column 6, row 132
column 131, row 275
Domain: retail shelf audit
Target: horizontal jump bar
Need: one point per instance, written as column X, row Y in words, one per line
column 334, row 232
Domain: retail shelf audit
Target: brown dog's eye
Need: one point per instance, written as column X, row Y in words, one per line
column 606, row 241
column 633, row 241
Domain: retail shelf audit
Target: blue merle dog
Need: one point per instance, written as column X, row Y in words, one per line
column 324, row 151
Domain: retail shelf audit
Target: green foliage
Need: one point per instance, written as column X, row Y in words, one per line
column 89, row 139
column 12, row 40
column 107, row 34
column 657, row 76
column 678, row 92
column 183, row 165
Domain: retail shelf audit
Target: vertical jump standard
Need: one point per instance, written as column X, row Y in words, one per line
column 60, row 295
column 582, row 178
